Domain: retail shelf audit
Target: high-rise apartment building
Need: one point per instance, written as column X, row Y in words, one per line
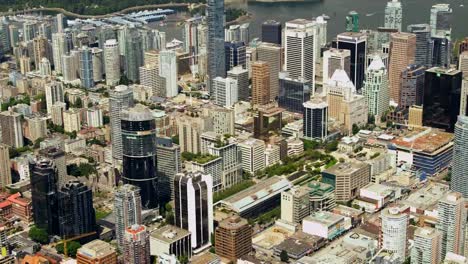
column 394, row 231
column 96, row 252
column 139, row 152
column 54, row 93
column 57, row 156
column 252, row 155
column 11, row 129
column 464, row 98
column 215, row 40
column 42, row 49
column 459, row 181
column 315, row 119
column 120, row 98
column 412, row 86
column 136, row 248
column 427, row 246
column 260, row 83
column 72, row 120
column 376, row 90
column 98, row 64
column 233, row 238
column 225, row 91
column 451, row 223
column 271, row 54
column 169, row 164
column 402, row 54
column 127, row 210
column 241, row 75
column 190, row 129
column 415, row 116
column 149, row 76
column 293, row 93
column 300, row 43
column 424, row 44
column 336, row 59
column 86, row 67
column 393, row 15
column 463, row 63
column 112, row 62
column 59, row 48
column 356, row 43
column 271, row 32
column 168, row 70
column 193, row 200
column 5, row 166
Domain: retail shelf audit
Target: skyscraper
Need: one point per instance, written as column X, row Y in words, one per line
column 441, row 21
column 357, row 44
column 168, row 70
column 293, row 93
column 225, row 91
column 235, row 55
column 59, row 48
column 300, row 43
column 136, row 248
column 336, row 59
column 120, row 98
column 139, row 153
column 463, row 63
column 352, row 22
column 193, row 199
column 395, row 231
column 76, row 211
column 271, row 54
column 271, row 32
column 242, row 77
column 412, row 86
column 54, row 93
column 11, row 129
column 127, row 210
column 402, row 54
column 86, row 67
column 233, row 238
column 451, row 223
column 376, row 90
column 252, row 155
column 112, row 62
column 424, row 44
column 44, row 177
column 260, row 83
column 427, row 246
column 57, row 156
column 393, row 15
column 169, row 164
column 5, row 167
column 215, row 40
column 459, row 181
column 133, row 49
column 315, row 119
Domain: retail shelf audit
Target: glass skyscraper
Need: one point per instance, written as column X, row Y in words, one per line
column 460, row 157
column 215, row 43
column 293, row 93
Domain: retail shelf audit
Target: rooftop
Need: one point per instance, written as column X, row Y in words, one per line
column 324, row 218
column 96, row 248
column 427, row 141
column 345, row 168
column 169, row 233
column 233, row 222
column 427, row 196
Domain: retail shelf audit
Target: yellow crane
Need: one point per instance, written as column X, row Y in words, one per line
column 65, row 241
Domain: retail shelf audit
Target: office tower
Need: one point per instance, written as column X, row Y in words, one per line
column 344, row 104
column 127, row 210
column 69, row 68
column 415, row 116
column 376, row 90
column 451, row 223
column 133, row 54
column 96, row 252
column 57, row 156
column 394, row 231
column 460, row 157
column 427, row 246
column 57, row 113
column 112, row 62
column 271, row 32
column 44, row 178
column 293, row 93
column 336, row 59
column 45, row 69
column 402, row 54
column 441, row 52
column 424, row 44
column 267, row 119
column 393, row 15
column 315, row 119
column 252, row 155
column 347, row 178
column 225, row 91
column 11, row 129
column 5, row 167
column 412, row 86
column 151, row 57
column 193, row 200
column 120, row 98
column 72, row 120
column 215, row 40
column 241, row 75
column 136, row 248
column 260, row 83
column 41, row 48
column 98, row 64
column 168, row 70
column 271, row 54
column 463, row 63
column 357, row 44
column 441, row 21
column 442, row 97
column 76, row 212
column 352, row 22
column 235, row 55
column 233, row 238
column 86, row 67
column 149, row 76
column 300, row 42
column 169, row 164
column 139, row 152
column 54, row 94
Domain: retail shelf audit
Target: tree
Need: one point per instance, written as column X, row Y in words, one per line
column 183, row 259
column 355, row 129
column 78, row 103
column 106, row 119
column 72, row 248
column 170, row 219
column 284, row 256
column 39, row 235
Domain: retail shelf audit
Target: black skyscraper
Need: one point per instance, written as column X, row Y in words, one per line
column 442, row 89
column 76, row 212
column 44, row 176
column 293, row 94
column 139, row 153
column 271, row 32
column 235, row 53
column 357, row 44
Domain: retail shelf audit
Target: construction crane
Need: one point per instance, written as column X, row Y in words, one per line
column 65, row 241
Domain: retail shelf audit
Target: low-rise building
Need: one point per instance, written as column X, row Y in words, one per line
column 96, row 252
column 170, row 240
column 324, row 224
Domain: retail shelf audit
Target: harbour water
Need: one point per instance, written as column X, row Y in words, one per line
column 371, row 14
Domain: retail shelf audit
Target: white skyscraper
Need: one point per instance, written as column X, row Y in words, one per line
column 440, row 21
column 225, row 91
column 127, row 210
column 376, row 90
column 59, row 48
column 54, row 93
column 98, row 64
column 168, row 70
column 336, row 59
column 300, row 43
column 44, row 67
column 427, row 246
column 112, row 62
column 451, row 223
column 393, row 15
column 252, row 155
column 395, row 231
column 120, row 98
column 94, row 117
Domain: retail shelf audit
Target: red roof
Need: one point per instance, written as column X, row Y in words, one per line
column 17, row 199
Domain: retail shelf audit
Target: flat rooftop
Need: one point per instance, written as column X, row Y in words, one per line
column 325, row 218
column 271, row 237
column 97, row 248
column 345, row 168
column 169, row 233
column 427, row 141
column 427, row 197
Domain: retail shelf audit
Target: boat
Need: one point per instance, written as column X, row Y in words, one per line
column 370, row 14
column 462, row 5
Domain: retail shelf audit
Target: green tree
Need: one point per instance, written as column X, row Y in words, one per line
column 39, row 235
column 284, row 256
column 355, row 129
column 72, row 248
column 170, row 219
column 183, row 259
column 106, row 119
column 78, row 103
